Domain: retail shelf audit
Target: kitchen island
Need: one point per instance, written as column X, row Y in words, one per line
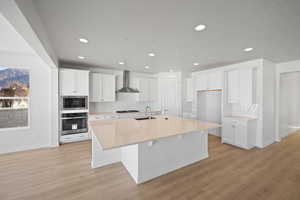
column 149, row 148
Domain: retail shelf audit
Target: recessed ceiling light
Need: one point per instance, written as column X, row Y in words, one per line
column 121, row 63
column 196, row 64
column 200, row 27
column 151, row 54
column 146, row 67
column 248, row 49
column 81, row 57
column 83, row 40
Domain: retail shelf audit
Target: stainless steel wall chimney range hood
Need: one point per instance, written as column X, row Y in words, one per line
column 126, row 80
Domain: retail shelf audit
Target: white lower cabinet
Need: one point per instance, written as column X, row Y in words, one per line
column 239, row 132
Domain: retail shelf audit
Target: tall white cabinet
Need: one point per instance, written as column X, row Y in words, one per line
column 102, row 87
column 74, row 82
column 248, row 90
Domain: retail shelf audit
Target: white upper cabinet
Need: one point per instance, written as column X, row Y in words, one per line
column 74, row 82
column 103, row 87
column 215, row 80
column 240, row 86
column 144, row 90
column 233, row 86
column 148, row 88
column 209, row 81
column 189, row 89
column 108, row 87
column 246, row 90
column 201, row 82
column 153, row 89
column 82, row 82
column 96, row 87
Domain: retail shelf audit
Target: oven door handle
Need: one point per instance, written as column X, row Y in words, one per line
column 74, row 118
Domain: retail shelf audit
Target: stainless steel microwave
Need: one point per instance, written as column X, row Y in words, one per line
column 74, row 103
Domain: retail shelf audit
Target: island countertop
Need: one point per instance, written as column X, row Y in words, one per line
column 122, row 132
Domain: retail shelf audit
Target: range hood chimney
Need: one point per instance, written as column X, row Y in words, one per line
column 126, row 80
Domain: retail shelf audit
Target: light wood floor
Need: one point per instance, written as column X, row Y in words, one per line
column 228, row 174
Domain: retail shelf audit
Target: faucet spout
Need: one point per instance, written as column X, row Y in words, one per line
column 148, row 111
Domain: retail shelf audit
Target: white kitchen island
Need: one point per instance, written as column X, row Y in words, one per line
column 149, row 148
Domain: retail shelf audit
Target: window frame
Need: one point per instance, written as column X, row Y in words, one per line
column 28, row 99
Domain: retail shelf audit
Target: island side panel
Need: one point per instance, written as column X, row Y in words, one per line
column 168, row 154
column 130, row 160
column 102, row 157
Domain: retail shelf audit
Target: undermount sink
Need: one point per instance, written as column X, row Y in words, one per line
column 144, row 118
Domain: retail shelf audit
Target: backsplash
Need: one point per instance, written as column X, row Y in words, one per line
column 124, row 102
column 246, row 110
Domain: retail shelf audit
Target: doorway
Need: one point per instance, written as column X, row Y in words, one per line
column 209, row 108
column 289, row 97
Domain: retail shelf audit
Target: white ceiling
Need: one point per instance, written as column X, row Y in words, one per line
column 127, row 30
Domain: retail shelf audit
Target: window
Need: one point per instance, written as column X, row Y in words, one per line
column 14, row 97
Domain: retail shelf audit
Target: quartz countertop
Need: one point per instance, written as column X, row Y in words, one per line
column 103, row 113
column 241, row 117
column 115, row 113
column 122, row 132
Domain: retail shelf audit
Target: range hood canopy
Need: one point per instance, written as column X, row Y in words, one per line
column 126, row 80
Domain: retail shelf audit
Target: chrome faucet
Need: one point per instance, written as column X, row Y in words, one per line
column 148, row 111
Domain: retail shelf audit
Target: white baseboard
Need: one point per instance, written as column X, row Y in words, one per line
column 267, row 143
column 27, row 148
column 102, row 164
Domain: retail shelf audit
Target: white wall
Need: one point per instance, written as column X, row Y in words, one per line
column 40, row 133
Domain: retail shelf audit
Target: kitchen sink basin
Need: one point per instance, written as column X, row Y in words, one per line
column 144, row 118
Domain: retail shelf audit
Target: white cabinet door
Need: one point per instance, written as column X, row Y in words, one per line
column 227, row 131
column 67, row 82
column 103, row 87
column 96, row 87
column 82, row 82
column 169, row 95
column 135, row 83
column 148, row 88
column 245, row 82
column 189, row 89
column 201, row 82
column 211, row 78
column 144, row 89
column 241, row 135
column 214, row 80
column 218, row 82
column 153, row 89
column 233, row 86
column 108, row 88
